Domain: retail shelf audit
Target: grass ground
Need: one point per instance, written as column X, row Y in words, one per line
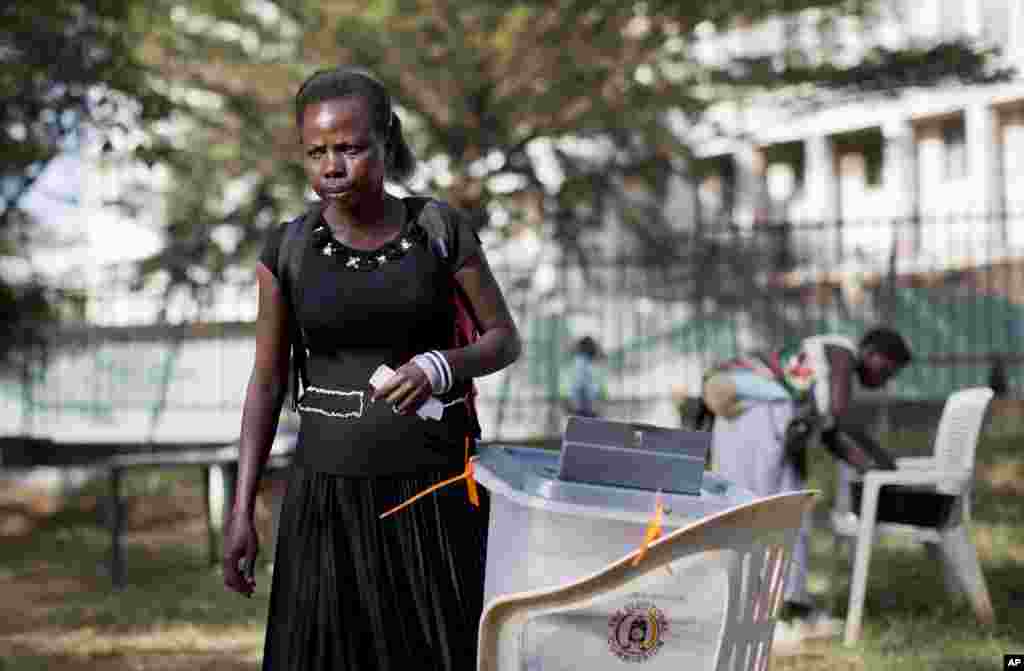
column 57, row 611
column 910, row 622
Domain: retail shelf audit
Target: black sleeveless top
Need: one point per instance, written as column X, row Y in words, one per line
column 357, row 310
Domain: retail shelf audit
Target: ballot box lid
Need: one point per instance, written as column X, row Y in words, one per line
column 530, row 477
column 633, row 454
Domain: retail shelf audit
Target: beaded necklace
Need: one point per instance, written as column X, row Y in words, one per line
column 366, row 260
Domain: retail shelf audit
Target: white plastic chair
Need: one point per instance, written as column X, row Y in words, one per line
column 949, row 471
column 705, row 596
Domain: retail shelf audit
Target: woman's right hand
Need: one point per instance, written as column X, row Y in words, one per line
column 406, row 390
column 241, row 545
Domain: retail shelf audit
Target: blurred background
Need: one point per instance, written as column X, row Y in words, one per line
column 680, row 181
column 677, row 183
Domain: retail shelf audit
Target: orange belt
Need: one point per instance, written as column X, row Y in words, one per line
column 466, row 475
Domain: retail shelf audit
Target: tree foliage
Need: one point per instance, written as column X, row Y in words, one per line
column 65, row 66
column 228, row 158
column 554, row 115
column 529, row 113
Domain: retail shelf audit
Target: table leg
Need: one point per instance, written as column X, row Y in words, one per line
column 230, row 471
column 211, row 531
column 116, row 529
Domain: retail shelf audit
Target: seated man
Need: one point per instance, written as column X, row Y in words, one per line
column 767, row 407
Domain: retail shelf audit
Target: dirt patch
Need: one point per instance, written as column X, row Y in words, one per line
column 22, row 507
column 813, row 661
column 25, row 604
column 35, row 500
column 990, row 544
column 19, row 657
column 15, row 523
column 28, row 640
column 161, row 639
column 1006, row 478
column 29, row 637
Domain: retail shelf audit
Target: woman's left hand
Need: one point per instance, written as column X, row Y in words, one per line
column 407, row 390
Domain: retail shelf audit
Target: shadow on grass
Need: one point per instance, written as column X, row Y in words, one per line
column 910, row 621
column 910, row 618
column 25, row 660
column 65, row 557
column 173, row 583
column 905, row 583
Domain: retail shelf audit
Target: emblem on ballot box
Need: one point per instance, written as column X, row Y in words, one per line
column 637, row 632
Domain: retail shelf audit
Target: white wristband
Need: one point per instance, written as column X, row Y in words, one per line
column 446, row 370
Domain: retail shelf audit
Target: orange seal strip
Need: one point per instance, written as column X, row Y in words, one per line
column 467, row 475
column 653, row 529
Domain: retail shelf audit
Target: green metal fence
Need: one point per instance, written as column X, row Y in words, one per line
column 660, row 320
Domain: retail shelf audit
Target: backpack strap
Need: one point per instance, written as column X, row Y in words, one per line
column 434, row 218
column 426, row 212
column 294, row 241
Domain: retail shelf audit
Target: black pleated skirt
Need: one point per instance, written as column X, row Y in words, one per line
column 352, row 592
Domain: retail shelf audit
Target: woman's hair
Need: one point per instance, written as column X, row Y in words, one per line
column 354, row 82
column 588, row 347
column 888, row 342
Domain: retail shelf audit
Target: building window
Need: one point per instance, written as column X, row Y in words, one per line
column 869, row 145
column 786, row 157
column 716, row 188
column 1012, row 127
column 954, row 144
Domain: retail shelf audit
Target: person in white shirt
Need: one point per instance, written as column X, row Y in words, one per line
column 768, row 406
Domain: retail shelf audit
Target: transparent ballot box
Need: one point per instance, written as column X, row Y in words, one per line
column 546, row 531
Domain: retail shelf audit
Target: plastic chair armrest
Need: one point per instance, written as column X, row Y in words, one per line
column 916, row 462
column 915, row 477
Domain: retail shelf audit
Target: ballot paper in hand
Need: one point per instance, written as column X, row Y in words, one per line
column 431, row 409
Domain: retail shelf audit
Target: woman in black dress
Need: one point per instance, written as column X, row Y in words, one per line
column 351, row 591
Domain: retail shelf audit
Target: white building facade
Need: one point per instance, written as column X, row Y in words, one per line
column 952, row 154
